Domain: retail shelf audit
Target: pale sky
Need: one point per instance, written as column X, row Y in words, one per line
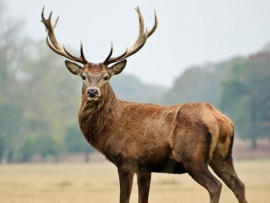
column 190, row 32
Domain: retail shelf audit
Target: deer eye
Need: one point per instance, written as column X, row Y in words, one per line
column 83, row 77
column 106, row 78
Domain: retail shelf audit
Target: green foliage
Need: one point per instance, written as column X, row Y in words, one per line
column 48, row 145
column 199, row 83
column 9, row 124
column 27, row 150
column 245, row 97
column 12, row 51
column 75, row 142
column 130, row 88
column 2, row 145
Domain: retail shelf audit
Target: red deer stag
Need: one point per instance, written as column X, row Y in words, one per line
column 145, row 138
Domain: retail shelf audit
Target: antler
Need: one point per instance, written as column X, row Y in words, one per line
column 52, row 42
column 141, row 39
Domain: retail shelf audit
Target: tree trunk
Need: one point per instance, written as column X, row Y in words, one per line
column 253, row 120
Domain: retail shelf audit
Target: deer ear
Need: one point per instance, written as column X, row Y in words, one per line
column 118, row 67
column 74, row 68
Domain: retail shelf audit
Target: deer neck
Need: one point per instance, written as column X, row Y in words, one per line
column 97, row 117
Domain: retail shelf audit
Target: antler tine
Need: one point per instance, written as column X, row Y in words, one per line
column 154, row 27
column 110, row 54
column 55, row 23
column 109, row 59
column 139, row 43
column 82, row 54
column 53, row 43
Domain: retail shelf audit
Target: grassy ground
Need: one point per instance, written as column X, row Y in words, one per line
column 98, row 183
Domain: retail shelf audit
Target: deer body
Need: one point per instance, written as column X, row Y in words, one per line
column 151, row 136
column 145, row 138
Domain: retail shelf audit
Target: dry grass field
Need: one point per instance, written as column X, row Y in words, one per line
column 98, row 183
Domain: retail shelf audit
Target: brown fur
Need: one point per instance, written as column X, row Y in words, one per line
column 144, row 138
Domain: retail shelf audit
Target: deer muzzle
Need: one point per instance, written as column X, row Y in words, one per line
column 93, row 93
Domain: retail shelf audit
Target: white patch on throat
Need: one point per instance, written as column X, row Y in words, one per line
column 92, row 98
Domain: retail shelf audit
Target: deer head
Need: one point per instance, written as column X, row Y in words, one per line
column 96, row 76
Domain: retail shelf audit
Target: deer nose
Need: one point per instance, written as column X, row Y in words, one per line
column 92, row 92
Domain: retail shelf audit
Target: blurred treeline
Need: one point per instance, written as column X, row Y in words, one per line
column 39, row 97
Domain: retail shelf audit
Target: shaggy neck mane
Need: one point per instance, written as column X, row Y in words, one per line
column 96, row 117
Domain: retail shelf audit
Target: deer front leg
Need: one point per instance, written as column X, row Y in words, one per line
column 143, row 181
column 125, row 180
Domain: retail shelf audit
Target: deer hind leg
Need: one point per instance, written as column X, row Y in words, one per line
column 200, row 173
column 225, row 170
column 125, row 180
column 143, row 181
